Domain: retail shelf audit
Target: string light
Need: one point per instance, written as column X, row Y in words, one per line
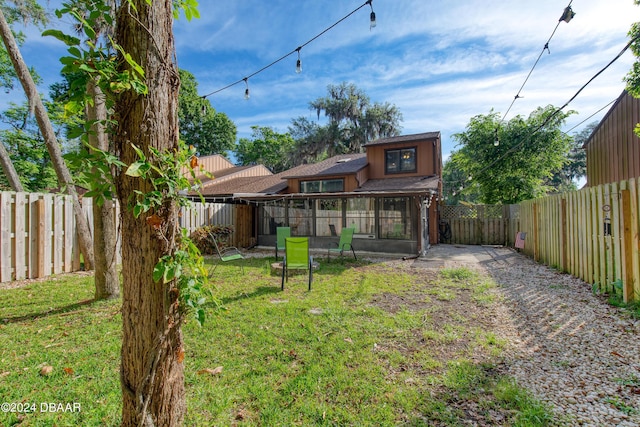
column 372, row 23
column 299, row 61
column 548, row 119
column 557, row 110
column 567, row 15
column 246, row 91
column 372, row 17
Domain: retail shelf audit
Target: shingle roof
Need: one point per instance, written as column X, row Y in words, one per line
column 408, row 184
column 274, row 184
column 405, row 138
column 269, row 184
column 344, row 164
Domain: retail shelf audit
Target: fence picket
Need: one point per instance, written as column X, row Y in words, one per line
column 38, row 237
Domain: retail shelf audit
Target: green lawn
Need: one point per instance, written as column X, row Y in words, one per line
column 371, row 344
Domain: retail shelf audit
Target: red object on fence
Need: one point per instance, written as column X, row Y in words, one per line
column 520, row 236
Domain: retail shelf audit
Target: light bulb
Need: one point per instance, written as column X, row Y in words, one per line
column 372, row 20
column 299, row 61
column 496, row 142
column 246, row 91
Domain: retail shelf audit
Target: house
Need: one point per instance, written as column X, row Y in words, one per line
column 388, row 194
column 613, row 149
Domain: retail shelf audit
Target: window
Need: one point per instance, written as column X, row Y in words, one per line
column 361, row 215
column 395, row 218
column 301, row 217
column 400, row 161
column 322, row 186
column 328, row 217
column 273, row 216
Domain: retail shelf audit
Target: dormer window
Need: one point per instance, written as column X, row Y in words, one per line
column 322, row 186
column 402, row 160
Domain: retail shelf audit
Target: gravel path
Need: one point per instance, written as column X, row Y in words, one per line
column 570, row 348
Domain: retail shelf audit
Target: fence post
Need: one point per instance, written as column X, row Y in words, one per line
column 627, row 240
column 6, row 258
column 535, row 232
column 40, row 237
column 563, row 234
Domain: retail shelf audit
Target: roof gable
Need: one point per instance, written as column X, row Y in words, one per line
column 405, row 138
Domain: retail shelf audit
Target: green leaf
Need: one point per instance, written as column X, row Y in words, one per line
column 137, row 210
column 73, row 50
column 159, row 270
column 169, row 273
column 137, row 169
column 91, row 34
column 66, row 39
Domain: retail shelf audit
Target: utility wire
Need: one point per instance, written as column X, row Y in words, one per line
column 552, row 115
column 566, row 16
column 610, row 102
column 246, row 78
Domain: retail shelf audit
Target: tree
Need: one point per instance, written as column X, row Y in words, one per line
column 575, row 168
column 353, row 120
column 86, row 112
column 267, row 147
column 25, row 11
column 455, row 183
column 62, row 172
column 201, row 125
column 528, row 152
column 311, row 140
column 633, row 77
column 26, row 150
column 147, row 139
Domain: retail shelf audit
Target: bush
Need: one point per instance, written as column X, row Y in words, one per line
column 201, row 239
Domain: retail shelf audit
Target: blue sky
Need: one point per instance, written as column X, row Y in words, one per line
column 439, row 62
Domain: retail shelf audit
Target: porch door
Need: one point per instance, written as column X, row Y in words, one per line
column 424, row 227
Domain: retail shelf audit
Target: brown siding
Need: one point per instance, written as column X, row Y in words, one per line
column 429, row 162
column 613, row 152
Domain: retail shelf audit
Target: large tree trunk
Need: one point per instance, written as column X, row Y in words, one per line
column 64, row 177
column 152, row 373
column 9, row 170
column 104, row 221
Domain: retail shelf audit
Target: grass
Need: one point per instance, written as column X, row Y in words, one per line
column 369, row 345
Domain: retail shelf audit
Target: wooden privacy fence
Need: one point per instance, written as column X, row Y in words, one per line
column 38, row 231
column 591, row 234
column 480, row 224
column 37, row 236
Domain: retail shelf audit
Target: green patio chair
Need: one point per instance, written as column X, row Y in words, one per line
column 229, row 253
column 281, row 234
column 345, row 243
column 296, row 257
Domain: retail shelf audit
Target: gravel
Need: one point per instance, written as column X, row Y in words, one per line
column 568, row 346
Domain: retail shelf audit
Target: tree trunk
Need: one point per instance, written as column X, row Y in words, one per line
column 152, row 373
column 104, row 221
column 35, row 102
column 9, row 170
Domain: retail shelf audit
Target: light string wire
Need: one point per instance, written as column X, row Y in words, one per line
column 297, row 49
column 546, row 47
column 552, row 115
column 582, row 122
